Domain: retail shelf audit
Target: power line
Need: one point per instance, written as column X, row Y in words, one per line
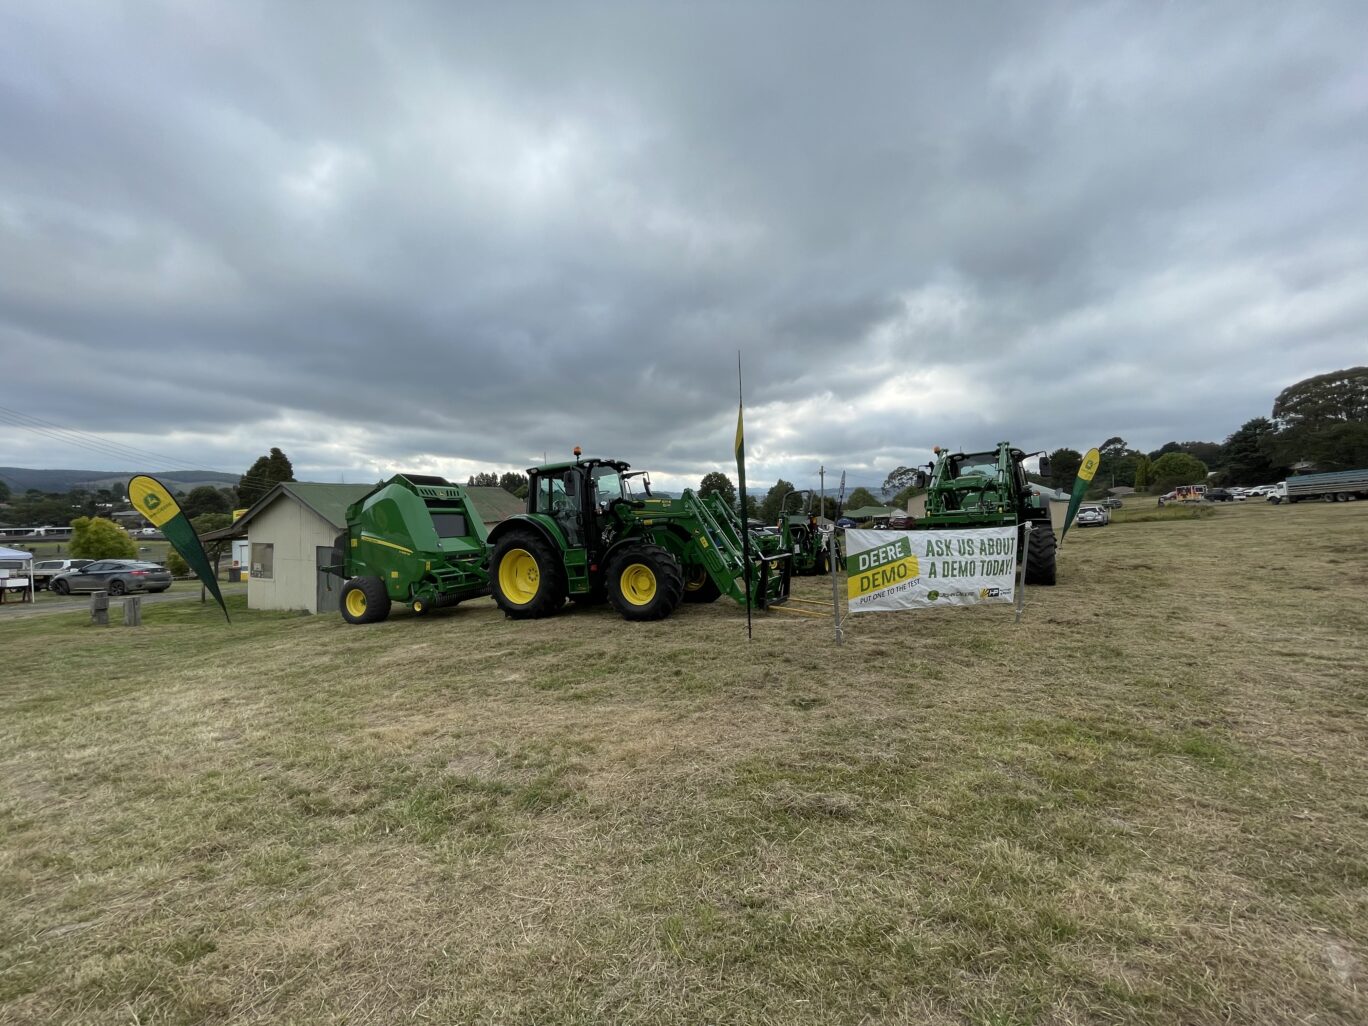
column 108, row 448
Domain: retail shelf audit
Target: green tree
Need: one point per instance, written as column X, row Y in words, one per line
column 485, row 479
column 718, row 483
column 1142, row 473
column 1323, row 421
column 204, row 499
column 263, row 475
column 1118, row 462
column 511, row 482
column 4, row 492
column 1177, row 468
column 35, row 509
column 862, row 497
column 900, row 480
column 1210, row 453
column 178, row 566
column 1248, row 453
column 769, row 509
column 1064, row 464
column 97, row 538
column 1324, row 400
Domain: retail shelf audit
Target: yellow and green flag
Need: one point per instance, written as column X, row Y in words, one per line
column 1091, row 461
column 154, row 500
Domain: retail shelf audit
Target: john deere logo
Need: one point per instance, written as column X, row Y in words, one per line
column 152, row 501
column 933, row 595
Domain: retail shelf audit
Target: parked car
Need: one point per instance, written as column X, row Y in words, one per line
column 116, row 576
column 1092, row 516
column 1219, row 495
column 1110, row 503
column 845, row 522
column 46, row 569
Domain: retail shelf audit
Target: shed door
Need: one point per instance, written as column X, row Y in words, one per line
column 329, row 587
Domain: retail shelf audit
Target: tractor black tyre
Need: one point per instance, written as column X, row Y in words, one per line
column 1040, row 553
column 644, row 582
column 364, row 600
column 527, row 576
column 699, row 586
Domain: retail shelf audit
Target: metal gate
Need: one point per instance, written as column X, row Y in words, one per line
column 329, row 587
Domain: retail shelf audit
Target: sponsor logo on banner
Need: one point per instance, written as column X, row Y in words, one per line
column 914, row 569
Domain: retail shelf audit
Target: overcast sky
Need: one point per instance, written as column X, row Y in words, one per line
column 437, row 237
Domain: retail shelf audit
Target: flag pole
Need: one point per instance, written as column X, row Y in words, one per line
column 741, row 479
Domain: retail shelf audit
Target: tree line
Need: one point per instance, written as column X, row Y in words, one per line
column 1317, row 424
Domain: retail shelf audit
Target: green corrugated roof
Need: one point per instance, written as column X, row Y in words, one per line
column 329, row 501
column 494, row 504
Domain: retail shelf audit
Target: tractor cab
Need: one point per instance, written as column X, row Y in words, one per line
column 578, row 496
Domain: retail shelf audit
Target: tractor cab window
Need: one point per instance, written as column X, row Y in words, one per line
column 608, row 487
column 984, row 463
column 558, row 495
column 558, row 492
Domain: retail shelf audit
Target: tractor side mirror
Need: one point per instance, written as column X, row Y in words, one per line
column 1044, row 470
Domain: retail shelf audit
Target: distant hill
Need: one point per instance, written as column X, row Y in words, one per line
column 21, row 479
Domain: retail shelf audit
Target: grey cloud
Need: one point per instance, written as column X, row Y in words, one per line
column 379, row 234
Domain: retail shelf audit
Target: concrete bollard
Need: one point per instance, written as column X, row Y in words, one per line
column 133, row 611
column 99, row 609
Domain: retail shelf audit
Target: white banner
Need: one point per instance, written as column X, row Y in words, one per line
column 916, row 569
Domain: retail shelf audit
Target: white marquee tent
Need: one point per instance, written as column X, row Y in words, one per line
column 16, row 571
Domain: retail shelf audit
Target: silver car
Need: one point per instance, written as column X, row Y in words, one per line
column 1093, row 516
column 116, row 576
column 46, row 569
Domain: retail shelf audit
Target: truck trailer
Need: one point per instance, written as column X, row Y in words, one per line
column 1339, row 486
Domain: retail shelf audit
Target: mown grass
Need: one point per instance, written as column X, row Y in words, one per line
column 1145, row 803
column 1138, row 513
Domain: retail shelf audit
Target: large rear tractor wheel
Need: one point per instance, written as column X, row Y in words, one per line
column 699, row 585
column 1040, row 553
column 527, row 577
column 644, row 582
column 364, row 600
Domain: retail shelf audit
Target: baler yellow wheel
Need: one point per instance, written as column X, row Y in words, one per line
column 356, row 603
column 364, row 600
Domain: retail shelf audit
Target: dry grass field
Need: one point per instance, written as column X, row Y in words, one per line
column 1146, row 803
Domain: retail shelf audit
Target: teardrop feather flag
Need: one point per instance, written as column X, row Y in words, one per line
column 154, row 500
column 1091, row 461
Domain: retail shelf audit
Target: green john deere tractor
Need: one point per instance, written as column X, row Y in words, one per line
column 586, row 536
column 989, row 489
column 803, row 537
column 414, row 539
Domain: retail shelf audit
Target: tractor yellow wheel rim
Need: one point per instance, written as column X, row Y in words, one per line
column 698, row 576
column 638, row 583
column 356, row 602
column 418, row 606
column 519, row 576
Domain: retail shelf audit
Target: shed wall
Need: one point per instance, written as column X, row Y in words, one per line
column 295, row 531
